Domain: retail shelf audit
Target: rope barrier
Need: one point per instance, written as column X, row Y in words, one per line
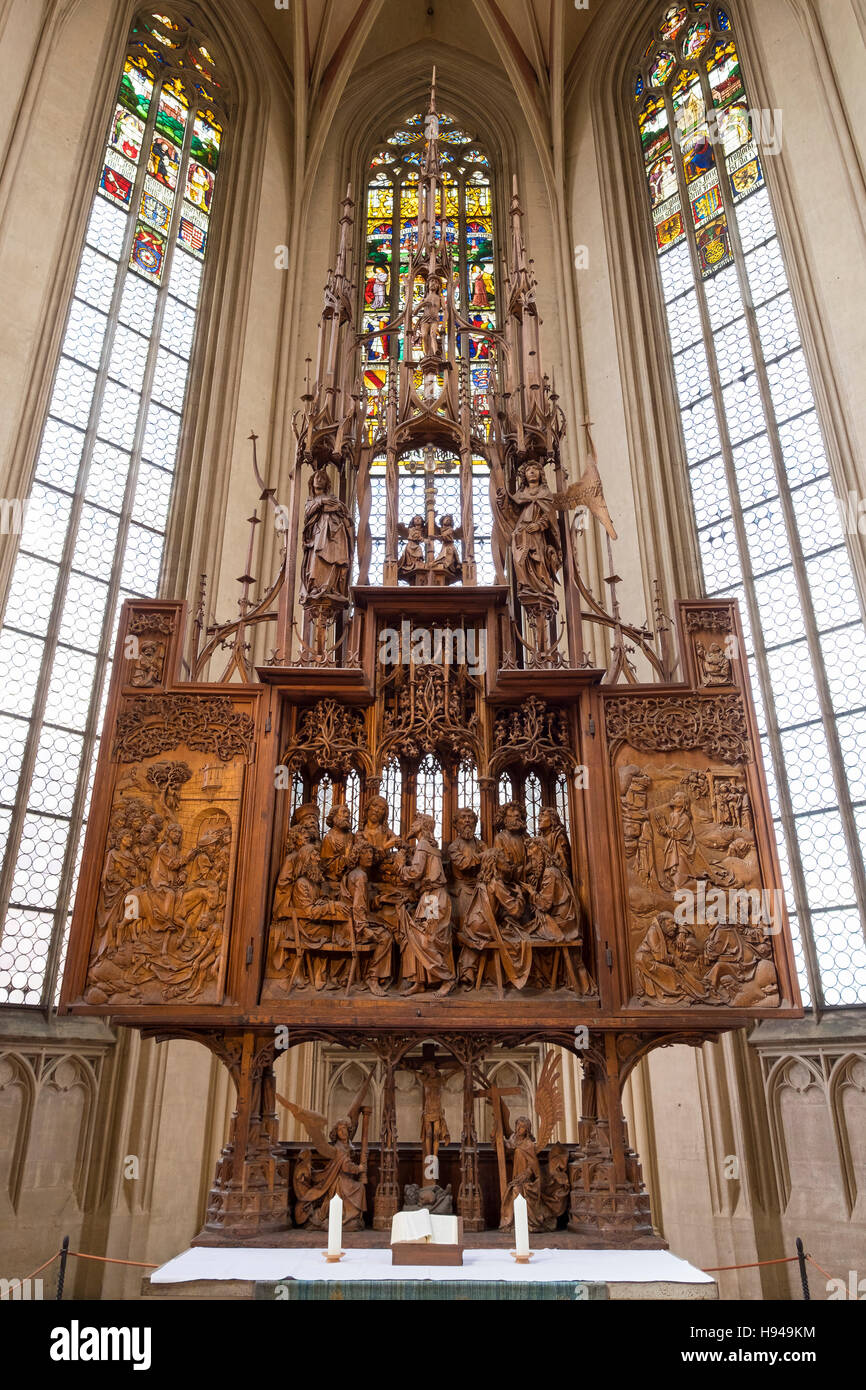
column 756, row 1264
column 80, row 1255
column 785, row 1260
column 55, row 1256
column 107, row 1260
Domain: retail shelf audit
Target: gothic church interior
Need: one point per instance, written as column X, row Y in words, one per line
column 432, row 581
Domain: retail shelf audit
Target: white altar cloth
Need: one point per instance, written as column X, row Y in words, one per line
column 581, row 1266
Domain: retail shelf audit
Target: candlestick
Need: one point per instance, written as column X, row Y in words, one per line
column 521, row 1230
column 335, row 1229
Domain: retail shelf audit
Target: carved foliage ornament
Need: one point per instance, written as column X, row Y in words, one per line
column 534, row 735
column 151, row 622
column 664, row 723
column 709, row 620
column 330, row 736
column 431, row 714
column 154, row 724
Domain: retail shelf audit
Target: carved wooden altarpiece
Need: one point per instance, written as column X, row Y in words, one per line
column 580, row 856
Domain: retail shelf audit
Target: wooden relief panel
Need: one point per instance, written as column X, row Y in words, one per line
column 160, row 929
column 704, row 911
column 391, row 906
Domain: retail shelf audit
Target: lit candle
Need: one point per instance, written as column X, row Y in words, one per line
column 335, row 1228
column 521, row 1228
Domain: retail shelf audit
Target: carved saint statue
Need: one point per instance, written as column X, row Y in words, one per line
column 714, row 666
column 329, row 542
column 343, row 1175
column 545, row 1197
column 412, row 563
column 636, row 824
column 446, row 568
column 428, row 319
column 147, row 669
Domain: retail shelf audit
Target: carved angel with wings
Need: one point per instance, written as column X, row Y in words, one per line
column 529, row 516
column 545, row 1198
column 342, row 1175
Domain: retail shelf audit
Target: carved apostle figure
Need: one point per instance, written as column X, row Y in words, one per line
column 306, row 819
column 308, row 919
column 495, row 920
column 551, row 832
column 336, row 843
column 426, row 928
column 119, row 876
column 329, row 542
column 741, row 965
column 366, row 930
column 512, row 837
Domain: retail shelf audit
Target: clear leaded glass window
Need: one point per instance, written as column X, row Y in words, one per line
column 95, row 526
column 428, row 791
column 769, row 529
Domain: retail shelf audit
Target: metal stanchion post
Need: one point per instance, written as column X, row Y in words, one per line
column 804, row 1278
column 61, row 1273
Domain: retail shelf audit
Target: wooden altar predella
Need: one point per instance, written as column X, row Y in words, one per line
column 603, row 877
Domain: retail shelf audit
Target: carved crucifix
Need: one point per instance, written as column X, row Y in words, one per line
column 432, row 1075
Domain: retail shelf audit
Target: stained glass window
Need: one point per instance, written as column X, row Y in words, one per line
column 391, row 227
column 768, row 523
column 95, row 528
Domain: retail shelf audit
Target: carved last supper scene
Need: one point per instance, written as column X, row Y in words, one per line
column 427, row 802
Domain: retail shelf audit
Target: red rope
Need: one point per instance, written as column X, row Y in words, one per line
column 756, row 1264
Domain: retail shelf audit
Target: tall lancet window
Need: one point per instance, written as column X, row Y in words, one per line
column 430, row 478
column 428, row 791
column 95, row 526
column 768, row 525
